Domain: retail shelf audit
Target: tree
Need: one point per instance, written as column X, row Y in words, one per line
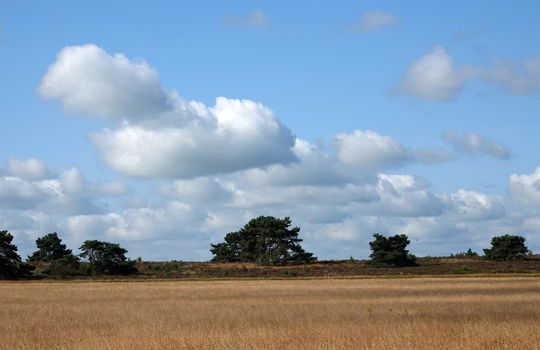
column 11, row 265
column 50, row 248
column 106, row 258
column 507, row 247
column 264, row 240
column 390, row 251
column 60, row 260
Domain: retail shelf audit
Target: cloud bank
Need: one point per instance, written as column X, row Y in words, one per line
column 215, row 167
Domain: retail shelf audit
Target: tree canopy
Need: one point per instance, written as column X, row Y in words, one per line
column 11, row 265
column 60, row 260
column 50, row 248
column 506, row 247
column 390, row 251
column 265, row 240
column 106, row 258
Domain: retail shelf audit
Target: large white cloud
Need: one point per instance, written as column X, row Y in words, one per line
column 159, row 134
column 89, row 80
column 243, row 134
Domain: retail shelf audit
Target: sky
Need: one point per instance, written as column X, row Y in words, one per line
column 164, row 125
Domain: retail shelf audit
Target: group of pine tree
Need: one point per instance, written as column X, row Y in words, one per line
column 96, row 258
column 264, row 240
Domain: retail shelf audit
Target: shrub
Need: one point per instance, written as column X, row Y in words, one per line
column 468, row 254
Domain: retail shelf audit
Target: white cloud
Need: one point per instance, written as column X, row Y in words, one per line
column 434, row 77
column 315, row 167
column 67, row 193
column 193, row 213
column 526, row 188
column 370, row 150
column 256, row 19
column 173, row 219
column 112, row 188
column 473, row 143
column 199, row 190
column 477, row 206
column 31, row 168
column 158, row 133
column 89, row 80
column 402, row 196
column 16, row 193
column 375, row 20
column 244, row 134
column 432, row 155
column 518, row 78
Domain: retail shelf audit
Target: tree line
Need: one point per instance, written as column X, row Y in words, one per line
column 271, row 241
column 96, row 258
column 264, row 240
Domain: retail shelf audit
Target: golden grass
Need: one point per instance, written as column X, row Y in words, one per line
column 420, row 313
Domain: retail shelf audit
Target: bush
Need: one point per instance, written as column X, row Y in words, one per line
column 507, row 247
column 464, row 270
column 63, row 267
column 468, row 254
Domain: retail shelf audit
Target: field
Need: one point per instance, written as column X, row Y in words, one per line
column 377, row 313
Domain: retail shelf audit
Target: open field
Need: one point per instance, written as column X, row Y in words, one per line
column 419, row 313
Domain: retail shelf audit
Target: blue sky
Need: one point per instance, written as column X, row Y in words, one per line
column 393, row 117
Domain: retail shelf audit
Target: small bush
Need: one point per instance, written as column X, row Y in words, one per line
column 468, row 254
column 463, row 270
column 64, row 267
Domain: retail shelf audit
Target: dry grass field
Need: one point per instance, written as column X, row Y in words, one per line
column 413, row 313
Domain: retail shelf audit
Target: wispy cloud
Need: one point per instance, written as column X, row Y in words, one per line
column 435, row 77
column 517, row 78
column 257, row 19
column 375, row 20
column 473, row 143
